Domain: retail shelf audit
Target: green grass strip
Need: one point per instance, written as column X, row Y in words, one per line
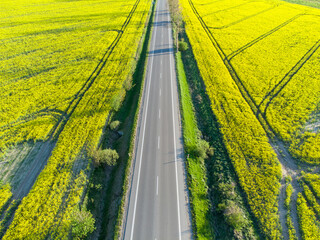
column 197, row 180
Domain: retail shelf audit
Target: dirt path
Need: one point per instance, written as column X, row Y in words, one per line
column 289, row 168
column 282, row 209
column 21, row 168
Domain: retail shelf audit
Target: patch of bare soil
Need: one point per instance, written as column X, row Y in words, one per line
column 290, row 168
column 31, row 168
column 20, row 167
column 12, row 160
column 23, row 165
column 283, row 210
column 313, row 124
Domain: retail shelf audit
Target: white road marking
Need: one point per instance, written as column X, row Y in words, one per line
column 144, row 130
column 157, row 185
column 158, row 142
column 174, row 140
column 159, row 113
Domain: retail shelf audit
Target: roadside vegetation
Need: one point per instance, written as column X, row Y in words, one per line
column 74, row 69
column 213, row 176
column 196, row 154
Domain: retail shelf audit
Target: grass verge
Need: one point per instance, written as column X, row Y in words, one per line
column 200, row 204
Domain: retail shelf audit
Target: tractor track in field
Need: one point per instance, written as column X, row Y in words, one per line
column 244, row 92
column 288, row 163
column 63, row 116
column 226, row 9
column 287, row 78
column 205, row 4
column 263, row 36
column 58, row 128
column 245, row 18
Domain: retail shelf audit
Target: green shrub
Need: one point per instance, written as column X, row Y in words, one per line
column 203, row 149
column 233, row 214
column 106, row 157
column 227, row 190
column 114, row 125
column 127, row 84
column 117, row 100
column 82, row 223
column 183, row 46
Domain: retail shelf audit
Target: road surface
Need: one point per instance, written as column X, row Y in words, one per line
column 157, row 207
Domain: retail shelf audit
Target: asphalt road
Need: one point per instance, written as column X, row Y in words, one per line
column 157, row 206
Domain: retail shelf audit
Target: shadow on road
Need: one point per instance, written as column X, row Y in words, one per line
column 163, row 51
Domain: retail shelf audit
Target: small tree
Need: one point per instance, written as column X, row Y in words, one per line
column 82, row 223
column 203, row 149
column 106, row 157
column 114, row 125
column 233, row 214
column 235, row 217
column 183, row 46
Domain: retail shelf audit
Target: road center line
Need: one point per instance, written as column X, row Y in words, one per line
column 174, row 137
column 157, row 185
column 144, row 130
column 162, row 35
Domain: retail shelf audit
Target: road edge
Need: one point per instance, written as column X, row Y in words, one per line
column 123, row 210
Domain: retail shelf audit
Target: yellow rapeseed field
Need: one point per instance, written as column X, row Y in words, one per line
column 62, row 65
column 260, row 62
